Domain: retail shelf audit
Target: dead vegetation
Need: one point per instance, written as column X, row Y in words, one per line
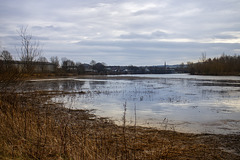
column 32, row 127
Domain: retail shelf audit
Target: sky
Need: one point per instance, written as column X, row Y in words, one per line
column 124, row 32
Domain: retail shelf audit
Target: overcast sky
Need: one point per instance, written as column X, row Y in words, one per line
column 125, row 32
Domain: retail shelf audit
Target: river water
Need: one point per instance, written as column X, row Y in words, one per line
column 180, row 102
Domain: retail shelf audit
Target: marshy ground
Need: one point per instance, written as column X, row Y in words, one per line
column 33, row 127
column 190, row 104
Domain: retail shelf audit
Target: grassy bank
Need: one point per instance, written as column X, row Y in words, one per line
column 32, row 127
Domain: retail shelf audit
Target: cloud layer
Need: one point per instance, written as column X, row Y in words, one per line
column 125, row 32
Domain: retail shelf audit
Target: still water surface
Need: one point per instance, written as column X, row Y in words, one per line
column 181, row 102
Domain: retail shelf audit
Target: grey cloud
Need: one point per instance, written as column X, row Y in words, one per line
column 135, row 36
column 124, row 29
column 159, row 45
column 159, row 34
column 224, row 36
column 145, row 12
column 153, row 35
column 143, row 53
column 46, row 28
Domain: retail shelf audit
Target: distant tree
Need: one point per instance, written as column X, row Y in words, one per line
column 42, row 59
column 103, row 63
column 132, row 69
column 6, row 56
column 181, row 68
column 29, row 50
column 68, row 62
column 204, row 57
column 99, row 67
column 224, row 65
column 80, row 68
column 78, row 63
column 42, row 64
column 63, row 59
column 190, row 67
column 68, row 65
column 5, row 61
column 55, row 60
column 92, row 63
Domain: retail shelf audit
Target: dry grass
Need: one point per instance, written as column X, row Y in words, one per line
column 32, row 127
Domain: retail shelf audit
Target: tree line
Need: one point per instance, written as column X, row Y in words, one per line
column 224, row 65
column 65, row 65
column 30, row 56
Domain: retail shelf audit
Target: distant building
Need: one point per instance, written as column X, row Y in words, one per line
column 88, row 68
column 44, row 67
column 38, row 67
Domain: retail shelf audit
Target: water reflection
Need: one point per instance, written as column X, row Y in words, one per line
column 191, row 104
column 95, row 84
column 53, row 85
column 71, row 85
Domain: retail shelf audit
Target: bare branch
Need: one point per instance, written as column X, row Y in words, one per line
column 29, row 50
